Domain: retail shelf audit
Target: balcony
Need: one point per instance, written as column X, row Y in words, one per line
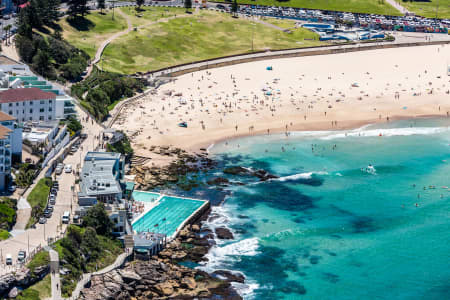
column 69, row 111
column 68, row 103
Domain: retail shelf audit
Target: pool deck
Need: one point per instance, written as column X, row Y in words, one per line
column 148, row 206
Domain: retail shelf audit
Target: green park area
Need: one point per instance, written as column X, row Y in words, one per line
column 147, row 15
column 189, row 39
column 89, row 32
column 428, row 8
column 380, row 7
column 38, row 199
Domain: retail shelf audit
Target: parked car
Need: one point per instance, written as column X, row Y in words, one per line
column 68, row 169
column 42, row 220
column 28, row 160
column 54, row 191
column 50, row 208
column 21, row 256
column 76, row 219
column 73, row 149
column 52, row 199
column 8, row 259
column 47, row 213
column 66, row 217
column 58, row 170
column 12, row 188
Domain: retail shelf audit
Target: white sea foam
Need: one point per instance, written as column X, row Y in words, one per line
column 361, row 132
column 220, row 256
column 246, row 290
column 307, row 175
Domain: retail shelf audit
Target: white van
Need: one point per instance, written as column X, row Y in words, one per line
column 66, row 217
column 8, row 259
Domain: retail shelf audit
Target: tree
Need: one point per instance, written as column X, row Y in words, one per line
column 98, row 219
column 41, row 63
column 7, row 28
column 234, row 8
column 25, row 47
column 101, row 5
column 77, row 7
column 187, row 4
column 52, row 12
column 139, row 3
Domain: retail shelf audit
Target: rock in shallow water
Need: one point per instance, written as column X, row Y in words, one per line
column 224, row 233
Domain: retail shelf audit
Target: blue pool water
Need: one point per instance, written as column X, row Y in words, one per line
column 167, row 216
column 332, row 226
column 145, row 196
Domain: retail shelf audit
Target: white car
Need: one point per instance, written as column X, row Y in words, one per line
column 68, row 169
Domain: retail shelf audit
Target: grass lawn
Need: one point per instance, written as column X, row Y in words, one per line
column 283, row 23
column 38, row 198
column 358, row 6
column 151, row 14
column 39, row 194
column 3, row 234
column 191, row 39
column 41, row 258
column 89, row 32
column 428, row 9
column 41, row 290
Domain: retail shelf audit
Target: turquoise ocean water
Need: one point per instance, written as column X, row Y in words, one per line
column 354, row 215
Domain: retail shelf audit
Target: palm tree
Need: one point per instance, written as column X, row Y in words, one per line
column 7, row 29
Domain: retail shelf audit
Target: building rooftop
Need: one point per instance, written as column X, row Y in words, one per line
column 4, row 132
column 101, row 156
column 25, row 94
column 6, row 117
column 98, row 175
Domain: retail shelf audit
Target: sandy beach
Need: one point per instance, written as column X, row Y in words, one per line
column 328, row 92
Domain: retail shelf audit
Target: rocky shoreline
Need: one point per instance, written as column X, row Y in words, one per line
column 151, row 176
column 163, row 277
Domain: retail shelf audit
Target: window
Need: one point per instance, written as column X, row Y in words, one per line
column 17, row 103
column 49, row 117
column 23, row 103
column 49, row 109
column 41, row 110
column 30, row 118
column 49, row 101
column 23, row 119
column 42, row 101
column 31, row 110
column 23, row 111
column 10, row 112
column 0, row 106
column 31, row 102
column 41, row 118
column 10, row 104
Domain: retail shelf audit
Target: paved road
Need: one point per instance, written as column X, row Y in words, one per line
column 65, row 200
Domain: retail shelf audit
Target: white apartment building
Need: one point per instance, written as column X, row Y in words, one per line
column 5, row 151
column 28, row 104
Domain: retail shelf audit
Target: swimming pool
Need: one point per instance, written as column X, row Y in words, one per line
column 167, row 215
column 145, row 196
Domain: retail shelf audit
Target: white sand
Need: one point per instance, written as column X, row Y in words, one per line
column 303, row 90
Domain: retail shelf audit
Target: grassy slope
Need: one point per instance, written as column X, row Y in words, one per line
column 3, row 234
column 39, row 194
column 150, row 14
column 92, row 31
column 41, row 258
column 428, row 9
column 41, row 290
column 359, row 6
column 191, row 39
